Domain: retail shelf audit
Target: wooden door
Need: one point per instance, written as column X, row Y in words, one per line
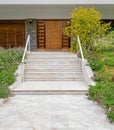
column 12, row 34
column 53, row 35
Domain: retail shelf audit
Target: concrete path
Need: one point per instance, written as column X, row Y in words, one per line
column 52, row 112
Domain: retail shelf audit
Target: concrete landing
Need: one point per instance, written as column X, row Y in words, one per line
column 51, row 87
column 52, row 112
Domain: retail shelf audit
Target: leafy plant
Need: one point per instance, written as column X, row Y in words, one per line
column 9, row 61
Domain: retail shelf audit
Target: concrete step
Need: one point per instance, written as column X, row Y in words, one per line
column 53, row 63
column 59, row 70
column 53, row 57
column 52, row 67
column 54, row 73
column 61, row 64
column 26, row 78
column 52, row 53
column 52, row 60
column 43, row 68
column 69, row 57
column 53, row 79
column 47, row 87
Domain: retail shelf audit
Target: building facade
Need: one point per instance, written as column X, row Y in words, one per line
column 44, row 20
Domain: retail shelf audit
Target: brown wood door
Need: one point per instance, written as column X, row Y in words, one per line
column 50, row 35
column 53, row 35
column 12, row 34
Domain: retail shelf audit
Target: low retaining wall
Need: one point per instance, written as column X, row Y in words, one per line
column 88, row 74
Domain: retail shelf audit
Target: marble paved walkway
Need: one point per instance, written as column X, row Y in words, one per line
column 52, row 112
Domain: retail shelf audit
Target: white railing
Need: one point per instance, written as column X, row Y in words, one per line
column 80, row 47
column 86, row 70
column 27, row 48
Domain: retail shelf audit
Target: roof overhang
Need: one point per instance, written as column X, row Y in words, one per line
column 56, row 2
column 49, row 11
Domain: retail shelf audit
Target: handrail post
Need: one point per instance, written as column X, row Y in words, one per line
column 24, row 54
column 29, row 44
column 25, row 50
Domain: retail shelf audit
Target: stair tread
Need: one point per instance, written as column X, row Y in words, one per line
column 47, row 85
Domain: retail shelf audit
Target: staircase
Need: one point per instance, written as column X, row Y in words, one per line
column 52, row 73
column 52, row 66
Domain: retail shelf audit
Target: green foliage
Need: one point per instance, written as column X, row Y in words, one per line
column 103, row 91
column 102, row 76
column 110, row 114
column 87, row 23
column 3, row 91
column 106, row 43
column 9, row 61
column 73, row 47
column 95, row 64
column 108, row 57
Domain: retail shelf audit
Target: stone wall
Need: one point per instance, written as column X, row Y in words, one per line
column 31, row 29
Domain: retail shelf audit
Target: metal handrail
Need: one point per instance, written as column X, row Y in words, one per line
column 25, row 50
column 82, row 55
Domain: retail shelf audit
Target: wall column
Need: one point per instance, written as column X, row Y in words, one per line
column 31, row 29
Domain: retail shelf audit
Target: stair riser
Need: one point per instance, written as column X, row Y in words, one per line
column 52, row 64
column 50, row 93
column 54, row 74
column 29, row 79
column 37, row 69
column 53, row 71
column 53, row 60
column 52, row 57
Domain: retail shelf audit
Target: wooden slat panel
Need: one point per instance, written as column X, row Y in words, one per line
column 65, row 39
column 41, row 34
column 12, row 34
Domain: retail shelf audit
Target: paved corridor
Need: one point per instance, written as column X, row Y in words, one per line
column 52, row 112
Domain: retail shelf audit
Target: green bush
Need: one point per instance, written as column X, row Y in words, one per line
column 9, row 61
